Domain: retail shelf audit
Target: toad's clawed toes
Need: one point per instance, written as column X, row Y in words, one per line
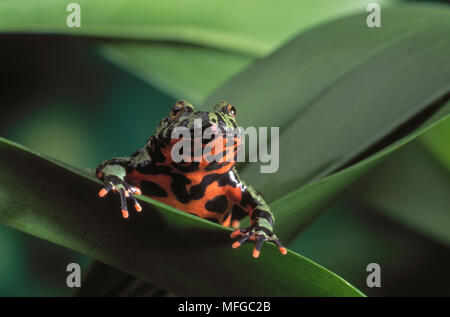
column 126, row 192
column 253, row 233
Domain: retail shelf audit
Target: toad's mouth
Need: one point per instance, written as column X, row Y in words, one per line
column 211, row 132
column 206, row 134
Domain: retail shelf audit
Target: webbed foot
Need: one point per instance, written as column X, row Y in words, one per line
column 259, row 235
column 125, row 190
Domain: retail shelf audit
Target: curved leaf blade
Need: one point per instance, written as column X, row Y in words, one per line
column 306, row 203
column 194, row 72
column 211, row 23
column 168, row 248
column 225, row 39
column 333, row 107
column 411, row 189
column 183, row 71
column 437, row 142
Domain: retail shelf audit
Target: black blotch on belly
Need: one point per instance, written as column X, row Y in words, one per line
column 153, row 189
column 186, row 168
column 198, row 191
column 178, row 186
column 180, row 181
column 215, row 166
column 217, row 204
column 153, row 169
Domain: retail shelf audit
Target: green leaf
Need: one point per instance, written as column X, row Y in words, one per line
column 225, row 40
column 194, row 72
column 412, row 189
column 176, row 251
column 336, row 97
column 437, row 142
column 296, row 210
column 211, row 23
column 183, row 71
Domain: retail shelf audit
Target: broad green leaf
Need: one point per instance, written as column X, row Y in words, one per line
column 253, row 27
column 437, row 141
column 412, row 189
column 215, row 25
column 176, row 251
column 296, row 210
column 183, row 71
column 194, row 72
column 339, row 89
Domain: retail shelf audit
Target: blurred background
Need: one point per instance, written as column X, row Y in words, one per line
column 61, row 97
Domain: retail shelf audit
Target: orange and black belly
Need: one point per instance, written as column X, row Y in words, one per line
column 199, row 187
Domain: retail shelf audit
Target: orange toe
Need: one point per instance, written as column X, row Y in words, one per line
column 138, row 207
column 102, row 192
column 236, row 233
column 236, row 245
column 283, row 250
column 125, row 213
column 255, row 253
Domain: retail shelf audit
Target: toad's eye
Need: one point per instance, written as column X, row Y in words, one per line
column 176, row 111
column 181, row 107
column 229, row 109
column 232, row 110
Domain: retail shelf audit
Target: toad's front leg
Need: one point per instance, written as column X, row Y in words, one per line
column 112, row 173
column 260, row 231
column 262, row 222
